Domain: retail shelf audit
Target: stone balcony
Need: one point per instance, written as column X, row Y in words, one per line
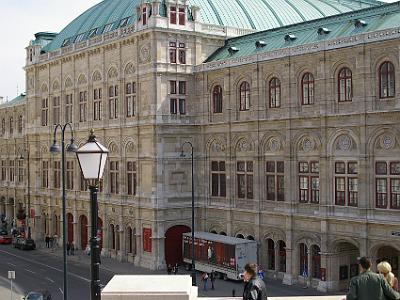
column 179, row 287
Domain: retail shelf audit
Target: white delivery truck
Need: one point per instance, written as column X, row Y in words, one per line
column 224, row 255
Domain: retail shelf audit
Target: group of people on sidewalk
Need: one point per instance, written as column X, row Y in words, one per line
column 205, row 277
column 367, row 285
column 51, row 241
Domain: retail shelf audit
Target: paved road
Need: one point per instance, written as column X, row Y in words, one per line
column 40, row 269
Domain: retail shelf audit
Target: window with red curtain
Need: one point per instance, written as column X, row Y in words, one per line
column 147, row 239
column 172, row 14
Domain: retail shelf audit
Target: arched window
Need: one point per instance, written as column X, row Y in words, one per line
column 11, row 125
column 386, row 80
column 307, row 89
column 274, row 93
column 20, row 124
column 271, row 254
column 316, row 261
column 303, row 270
column 345, row 85
column 217, row 99
column 244, row 94
column 118, row 246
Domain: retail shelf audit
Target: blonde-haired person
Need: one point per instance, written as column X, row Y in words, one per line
column 385, row 269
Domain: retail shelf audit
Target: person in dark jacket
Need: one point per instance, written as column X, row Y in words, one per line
column 369, row 285
column 254, row 288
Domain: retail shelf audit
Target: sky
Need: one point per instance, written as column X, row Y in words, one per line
column 19, row 21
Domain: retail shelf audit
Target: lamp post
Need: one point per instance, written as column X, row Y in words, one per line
column 92, row 158
column 29, row 191
column 55, row 148
column 193, row 250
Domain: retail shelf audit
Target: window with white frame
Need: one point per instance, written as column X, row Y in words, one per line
column 346, row 183
column 387, row 182
column 309, row 182
column 130, row 98
column 97, row 107
column 113, row 101
column 177, row 99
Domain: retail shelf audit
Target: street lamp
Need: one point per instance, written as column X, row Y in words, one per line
column 55, row 148
column 193, row 250
column 92, row 158
column 29, row 191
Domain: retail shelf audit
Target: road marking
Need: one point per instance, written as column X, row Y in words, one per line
column 44, row 265
column 61, row 291
column 52, row 281
column 11, row 264
column 29, row 271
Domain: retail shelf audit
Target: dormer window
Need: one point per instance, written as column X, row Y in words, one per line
column 260, row 44
column 144, row 15
column 233, row 50
column 66, row 42
column 290, row 37
column 323, row 30
column 108, row 27
column 124, row 22
column 93, row 32
column 79, row 38
column 172, row 14
column 360, row 23
column 182, row 16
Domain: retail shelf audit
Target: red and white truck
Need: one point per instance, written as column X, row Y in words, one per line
column 224, row 255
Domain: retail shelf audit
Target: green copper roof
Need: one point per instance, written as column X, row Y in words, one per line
column 249, row 14
column 14, row 101
column 366, row 20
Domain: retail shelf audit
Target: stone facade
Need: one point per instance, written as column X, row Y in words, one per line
column 308, row 236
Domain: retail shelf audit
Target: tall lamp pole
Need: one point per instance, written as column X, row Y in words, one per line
column 55, row 148
column 193, row 250
column 29, row 191
column 92, row 158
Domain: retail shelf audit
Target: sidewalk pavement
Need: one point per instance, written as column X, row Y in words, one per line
column 5, row 290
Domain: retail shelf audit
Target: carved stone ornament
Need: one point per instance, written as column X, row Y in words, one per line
column 130, row 69
column 112, row 73
column 68, row 83
column 218, row 146
column 244, row 146
column 130, row 148
column 82, row 79
column 97, row 76
column 144, row 53
column 56, row 86
column 387, row 141
column 308, row 144
column 131, row 211
column 344, row 143
column 274, row 144
column 44, row 88
column 31, row 82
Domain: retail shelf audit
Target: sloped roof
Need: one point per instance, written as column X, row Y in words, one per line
column 18, row 100
column 366, row 20
column 249, row 14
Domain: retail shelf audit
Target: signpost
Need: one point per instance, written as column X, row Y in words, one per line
column 11, row 276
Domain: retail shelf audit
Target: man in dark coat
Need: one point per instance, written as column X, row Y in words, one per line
column 369, row 285
column 254, row 288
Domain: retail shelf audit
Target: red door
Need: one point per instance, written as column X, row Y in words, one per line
column 173, row 244
column 70, row 235
column 84, row 233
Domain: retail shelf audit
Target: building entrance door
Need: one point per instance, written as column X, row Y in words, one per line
column 173, row 244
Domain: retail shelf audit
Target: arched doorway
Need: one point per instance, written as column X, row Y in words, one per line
column 111, row 233
column 173, row 244
column 83, row 223
column 271, row 254
column 70, row 227
column 282, row 256
column 391, row 255
column 344, row 263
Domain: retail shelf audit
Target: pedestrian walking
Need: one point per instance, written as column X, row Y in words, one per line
column 369, row 285
column 385, row 269
column 72, row 248
column 176, row 269
column 68, row 247
column 205, row 281
column 212, row 278
column 169, row 269
column 254, row 288
column 47, row 240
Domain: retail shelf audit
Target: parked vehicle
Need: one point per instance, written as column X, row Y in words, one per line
column 24, row 244
column 224, row 255
column 5, row 239
column 40, row 295
column 3, row 231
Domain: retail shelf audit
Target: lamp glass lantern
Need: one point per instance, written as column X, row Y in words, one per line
column 92, row 157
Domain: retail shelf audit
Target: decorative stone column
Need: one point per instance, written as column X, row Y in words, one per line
column 309, row 266
column 288, row 277
column 277, row 259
